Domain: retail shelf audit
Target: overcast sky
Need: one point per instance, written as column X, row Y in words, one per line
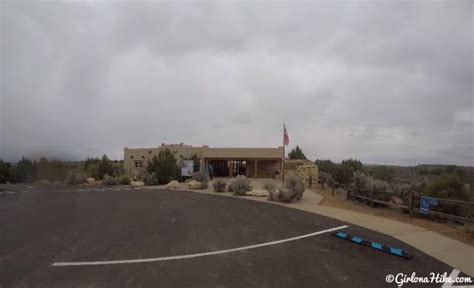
column 384, row 82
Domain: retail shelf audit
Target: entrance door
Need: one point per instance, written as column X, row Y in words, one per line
column 240, row 167
column 220, row 168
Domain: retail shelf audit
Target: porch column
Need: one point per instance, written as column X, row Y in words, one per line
column 255, row 168
column 231, row 168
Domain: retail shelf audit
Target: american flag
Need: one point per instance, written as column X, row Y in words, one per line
column 286, row 139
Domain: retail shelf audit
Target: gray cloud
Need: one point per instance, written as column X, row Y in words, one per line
column 386, row 82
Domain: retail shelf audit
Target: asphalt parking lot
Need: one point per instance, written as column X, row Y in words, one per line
column 42, row 225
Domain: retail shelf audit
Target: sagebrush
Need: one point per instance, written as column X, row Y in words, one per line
column 240, row 185
column 269, row 185
column 75, row 177
column 219, row 185
column 109, row 180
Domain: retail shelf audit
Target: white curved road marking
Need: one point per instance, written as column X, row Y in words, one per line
column 186, row 256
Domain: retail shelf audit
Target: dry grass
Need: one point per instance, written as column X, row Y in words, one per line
column 450, row 230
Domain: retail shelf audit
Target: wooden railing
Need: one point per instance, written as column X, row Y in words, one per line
column 411, row 207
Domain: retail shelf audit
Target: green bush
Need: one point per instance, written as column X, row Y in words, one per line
column 295, row 185
column 75, row 177
column 382, row 173
column 105, row 167
column 296, row 153
column 124, row 180
column 269, row 185
column 24, row 170
column 5, row 173
column 240, row 185
column 447, row 187
column 109, row 180
column 219, row 185
column 150, row 179
column 164, row 166
column 341, row 173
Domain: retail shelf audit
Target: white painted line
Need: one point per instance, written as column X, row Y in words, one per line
column 454, row 274
column 169, row 258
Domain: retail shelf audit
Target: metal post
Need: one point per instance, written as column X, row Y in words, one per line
column 283, row 167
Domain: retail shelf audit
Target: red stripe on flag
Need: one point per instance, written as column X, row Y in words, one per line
column 286, row 139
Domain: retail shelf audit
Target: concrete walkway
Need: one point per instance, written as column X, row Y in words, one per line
column 447, row 250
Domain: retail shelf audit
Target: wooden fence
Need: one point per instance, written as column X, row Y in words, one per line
column 413, row 208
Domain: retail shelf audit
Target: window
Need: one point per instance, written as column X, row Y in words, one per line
column 138, row 163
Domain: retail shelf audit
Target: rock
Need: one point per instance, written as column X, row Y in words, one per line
column 91, row 181
column 397, row 200
column 194, row 185
column 137, row 183
column 258, row 193
column 172, row 185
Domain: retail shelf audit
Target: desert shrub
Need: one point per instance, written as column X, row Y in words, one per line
column 50, row 170
column 105, row 166
column 382, row 173
column 164, row 166
column 74, row 177
column 341, row 173
column 274, row 195
column 109, row 180
column 200, row 177
column 219, row 185
column 269, row 185
column 124, row 180
column 91, row 167
column 194, row 185
column 469, row 228
column 295, row 185
column 204, row 184
column 24, row 170
column 5, row 173
column 287, row 195
column 240, row 185
column 150, row 179
column 448, row 187
column 283, row 195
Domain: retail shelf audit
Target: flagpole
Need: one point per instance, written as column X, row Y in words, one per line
column 283, row 161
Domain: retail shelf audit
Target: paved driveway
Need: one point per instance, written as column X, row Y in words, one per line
column 44, row 225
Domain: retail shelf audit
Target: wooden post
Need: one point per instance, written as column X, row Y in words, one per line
column 412, row 202
column 255, row 166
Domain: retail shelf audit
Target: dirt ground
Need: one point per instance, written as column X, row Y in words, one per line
column 451, row 230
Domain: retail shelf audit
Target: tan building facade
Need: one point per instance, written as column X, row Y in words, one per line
column 226, row 162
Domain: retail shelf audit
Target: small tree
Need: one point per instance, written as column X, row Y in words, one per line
column 105, row 167
column 296, row 153
column 24, row 170
column 5, row 173
column 164, row 165
column 383, row 173
column 196, row 162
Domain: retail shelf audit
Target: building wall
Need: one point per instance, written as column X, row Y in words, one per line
column 269, row 158
column 180, row 151
column 265, row 168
